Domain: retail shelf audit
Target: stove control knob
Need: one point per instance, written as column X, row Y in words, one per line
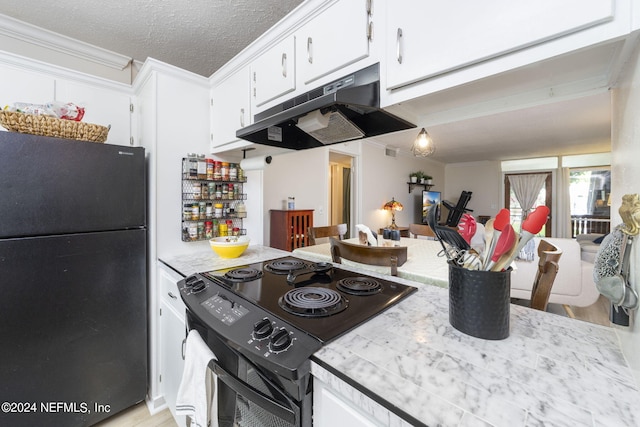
column 280, row 341
column 262, row 329
column 198, row 286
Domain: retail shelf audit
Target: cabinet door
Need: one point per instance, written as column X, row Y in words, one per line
column 103, row 106
column 273, row 73
column 427, row 38
column 332, row 40
column 230, row 108
column 330, row 410
column 172, row 331
column 172, row 328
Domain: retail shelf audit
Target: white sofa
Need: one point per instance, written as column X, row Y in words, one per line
column 574, row 283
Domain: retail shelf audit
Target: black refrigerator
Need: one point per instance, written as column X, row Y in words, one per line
column 73, row 280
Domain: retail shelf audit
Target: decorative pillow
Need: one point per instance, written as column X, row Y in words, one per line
column 599, row 239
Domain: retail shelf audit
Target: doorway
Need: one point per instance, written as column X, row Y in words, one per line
column 341, row 190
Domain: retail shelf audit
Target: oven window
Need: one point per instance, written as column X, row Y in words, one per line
column 250, row 414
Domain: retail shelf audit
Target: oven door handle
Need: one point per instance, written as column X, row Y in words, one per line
column 256, row 396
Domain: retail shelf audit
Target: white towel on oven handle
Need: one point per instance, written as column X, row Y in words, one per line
column 197, row 388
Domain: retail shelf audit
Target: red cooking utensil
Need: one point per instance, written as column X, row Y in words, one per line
column 530, row 227
column 505, row 243
column 502, row 219
column 467, row 227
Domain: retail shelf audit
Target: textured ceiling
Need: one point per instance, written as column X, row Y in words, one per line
column 196, row 35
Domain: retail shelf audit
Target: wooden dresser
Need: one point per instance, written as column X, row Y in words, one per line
column 289, row 228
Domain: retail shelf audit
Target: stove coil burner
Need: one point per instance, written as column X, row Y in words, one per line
column 239, row 275
column 313, row 302
column 359, row 285
column 284, row 266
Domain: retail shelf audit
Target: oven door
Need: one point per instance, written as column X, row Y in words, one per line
column 246, row 396
column 255, row 401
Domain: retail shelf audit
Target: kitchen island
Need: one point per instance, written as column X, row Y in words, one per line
column 409, row 366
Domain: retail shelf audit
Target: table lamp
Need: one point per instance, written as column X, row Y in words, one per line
column 393, row 206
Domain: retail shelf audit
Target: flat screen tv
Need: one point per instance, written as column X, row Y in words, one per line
column 430, row 198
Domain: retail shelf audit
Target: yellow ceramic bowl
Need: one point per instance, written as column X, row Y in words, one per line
column 229, row 247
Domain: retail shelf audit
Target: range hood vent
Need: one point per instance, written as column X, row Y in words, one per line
column 344, row 110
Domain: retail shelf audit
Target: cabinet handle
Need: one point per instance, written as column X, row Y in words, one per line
column 370, row 31
column 398, row 46
column 242, row 117
column 284, row 65
column 370, row 7
column 172, row 295
column 309, row 54
column 184, row 347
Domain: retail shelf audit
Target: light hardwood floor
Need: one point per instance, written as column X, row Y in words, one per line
column 139, row 416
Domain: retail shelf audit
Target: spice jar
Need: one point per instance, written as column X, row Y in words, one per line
column 222, row 229
column 192, row 160
column 291, row 204
column 193, row 231
column 212, row 190
column 233, row 172
column 218, row 194
column 229, row 227
column 225, row 192
column 210, row 167
column 186, row 212
column 195, row 211
column 205, row 191
column 217, row 171
column 209, row 211
column 203, row 210
column 236, row 231
column 217, row 212
column 224, row 171
column 197, row 190
column 208, row 229
column 202, row 167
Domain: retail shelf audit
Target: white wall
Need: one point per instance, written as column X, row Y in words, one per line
column 484, row 179
column 625, row 179
column 305, row 176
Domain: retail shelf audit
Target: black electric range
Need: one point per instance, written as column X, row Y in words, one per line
column 279, row 312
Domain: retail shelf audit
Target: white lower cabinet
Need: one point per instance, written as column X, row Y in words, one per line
column 172, row 331
column 332, row 410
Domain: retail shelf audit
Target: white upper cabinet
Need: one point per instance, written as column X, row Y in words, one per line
column 230, row 110
column 337, row 37
column 273, row 73
column 429, row 38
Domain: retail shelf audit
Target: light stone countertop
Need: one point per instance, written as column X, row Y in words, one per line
column 207, row 260
column 409, row 361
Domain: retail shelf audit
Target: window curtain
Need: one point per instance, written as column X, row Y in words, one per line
column 563, row 208
column 346, row 198
column 526, row 189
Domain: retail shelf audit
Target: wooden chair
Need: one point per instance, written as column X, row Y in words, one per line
column 421, row 230
column 393, row 256
column 328, row 231
column 547, row 269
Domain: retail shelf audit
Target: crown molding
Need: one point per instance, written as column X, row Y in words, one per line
column 28, row 33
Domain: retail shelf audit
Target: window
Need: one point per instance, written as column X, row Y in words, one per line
column 544, row 198
column 589, row 192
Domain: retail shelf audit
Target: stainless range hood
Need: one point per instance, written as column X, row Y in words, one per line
column 344, row 110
